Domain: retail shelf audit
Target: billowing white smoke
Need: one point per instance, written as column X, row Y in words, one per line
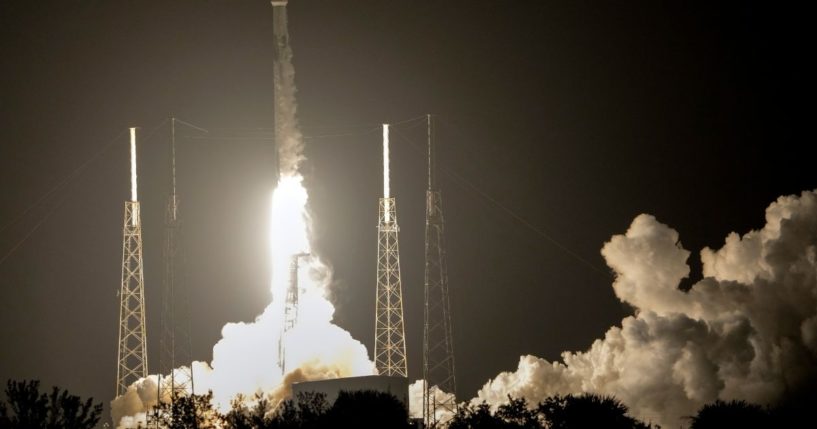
column 748, row 330
column 440, row 397
column 246, row 359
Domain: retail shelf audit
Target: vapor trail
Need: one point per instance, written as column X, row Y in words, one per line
column 289, row 140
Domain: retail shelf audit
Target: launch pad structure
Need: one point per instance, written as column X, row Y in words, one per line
column 132, row 358
column 175, row 358
column 290, row 308
column 175, row 372
column 390, row 342
column 438, row 339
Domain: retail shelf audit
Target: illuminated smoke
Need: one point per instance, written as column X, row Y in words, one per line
column 416, row 401
column 245, row 360
column 748, row 330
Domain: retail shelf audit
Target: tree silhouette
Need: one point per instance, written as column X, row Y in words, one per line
column 720, row 414
column 361, row 409
column 587, row 411
column 517, row 414
column 242, row 417
column 557, row 412
column 476, row 416
column 26, row 408
column 307, row 411
column 188, row 412
column 312, row 409
column 514, row 415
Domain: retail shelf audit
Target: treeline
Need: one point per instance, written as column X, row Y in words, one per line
column 360, row 409
column 25, row 407
column 594, row 411
column 556, row 412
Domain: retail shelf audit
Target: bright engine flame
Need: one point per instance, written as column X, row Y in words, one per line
column 246, row 359
column 289, row 231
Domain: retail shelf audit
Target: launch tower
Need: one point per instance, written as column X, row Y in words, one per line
column 390, row 343
column 290, row 308
column 132, row 358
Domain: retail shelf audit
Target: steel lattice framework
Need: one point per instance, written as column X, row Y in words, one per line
column 290, row 308
column 438, row 345
column 132, row 356
column 390, row 343
column 176, row 346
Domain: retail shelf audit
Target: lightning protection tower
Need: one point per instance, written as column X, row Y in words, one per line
column 132, row 359
column 390, row 343
column 176, row 345
column 438, row 345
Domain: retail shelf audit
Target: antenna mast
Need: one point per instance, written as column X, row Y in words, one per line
column 176, row 349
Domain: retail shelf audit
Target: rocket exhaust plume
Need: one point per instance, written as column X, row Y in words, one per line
column 747, row 330
column 246, row 359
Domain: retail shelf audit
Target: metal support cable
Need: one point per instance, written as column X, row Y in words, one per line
column 462, row 181
column 60, row 185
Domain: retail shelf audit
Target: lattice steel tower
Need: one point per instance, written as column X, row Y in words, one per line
column 390, row 343
column 176, row 345
column 438, row 345
column 290, row 308
column 132, row 358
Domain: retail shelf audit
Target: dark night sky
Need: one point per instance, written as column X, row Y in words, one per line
column 575, row 116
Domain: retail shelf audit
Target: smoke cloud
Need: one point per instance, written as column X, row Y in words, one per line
column 747, row 330
column 416, row 401
column 247, row 358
